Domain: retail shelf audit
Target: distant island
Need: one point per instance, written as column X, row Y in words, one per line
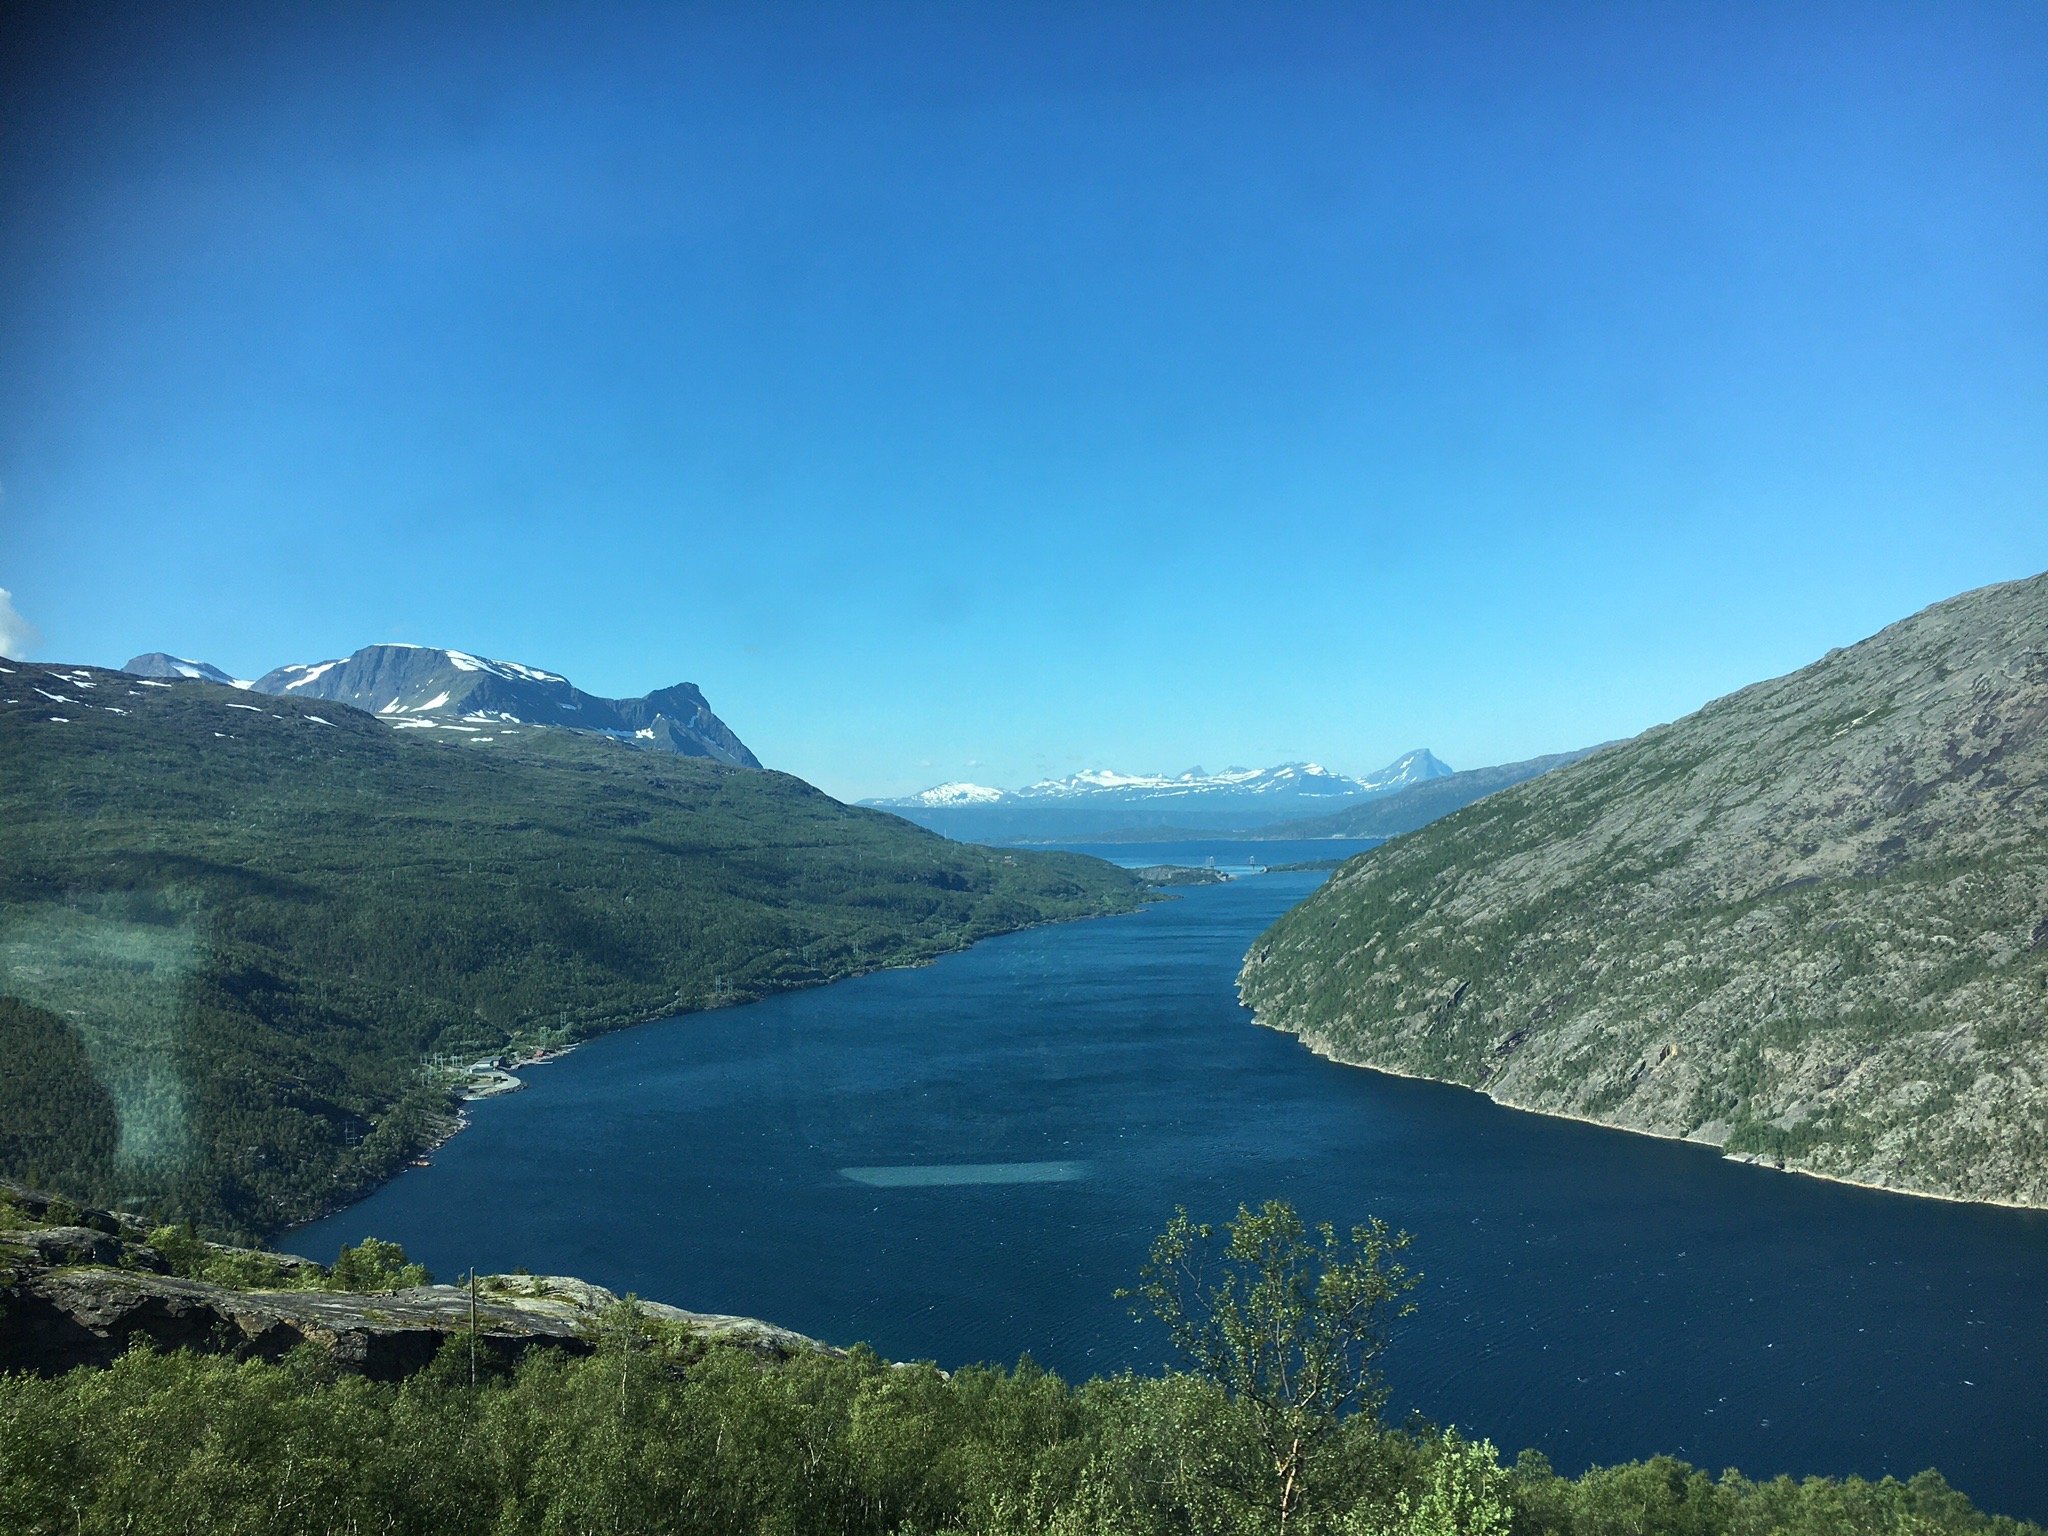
column 1180, row 874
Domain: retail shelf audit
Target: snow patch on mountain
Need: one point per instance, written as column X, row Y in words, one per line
column 959, row 793
column 1296, row 778
column 308, row 675
column 401, row 682
column 1414, row 767
column 161, row 664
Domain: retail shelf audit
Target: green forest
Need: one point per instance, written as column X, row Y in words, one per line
column 620, row 1443
column 232, row 933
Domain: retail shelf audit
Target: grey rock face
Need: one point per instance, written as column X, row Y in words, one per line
column 84, row 1293
column 62, row 1318
column 74, row 1245
column 1797, row 924
column 411, row 685
column 412, row 682
column 55, row 1318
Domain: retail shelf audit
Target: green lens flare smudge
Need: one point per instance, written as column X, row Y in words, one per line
column 121, row 984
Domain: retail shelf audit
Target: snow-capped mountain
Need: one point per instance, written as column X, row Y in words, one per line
column 163, row 664
column 1102, row 801
column 1410, row 768
column 422, row 687
column 949, row 794
column 1290, row 781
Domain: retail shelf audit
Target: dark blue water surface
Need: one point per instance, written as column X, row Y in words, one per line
column 1597, row 1295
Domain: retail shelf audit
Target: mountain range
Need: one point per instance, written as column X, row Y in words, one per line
column 1807, row 924
column 1106, row 803
column 427, row 688
column 1419, row 804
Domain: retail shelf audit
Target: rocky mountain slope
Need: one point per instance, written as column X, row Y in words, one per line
column 232, row 926
column 1807, row 924
column 424, row 688
column 1105, row 802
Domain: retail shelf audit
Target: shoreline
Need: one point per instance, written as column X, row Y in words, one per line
column 1748, row 1159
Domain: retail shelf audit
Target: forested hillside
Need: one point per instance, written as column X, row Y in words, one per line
column 1808, row 923
column 231, row 929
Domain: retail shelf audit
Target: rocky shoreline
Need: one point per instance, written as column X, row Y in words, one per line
column 1753, row 1159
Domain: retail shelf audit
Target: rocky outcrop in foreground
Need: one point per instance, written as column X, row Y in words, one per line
column 1808, row 924
column 85, row 1293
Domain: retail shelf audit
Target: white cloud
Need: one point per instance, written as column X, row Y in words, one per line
column 17, row 636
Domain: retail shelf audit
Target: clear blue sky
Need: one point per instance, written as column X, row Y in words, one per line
column 989, row 391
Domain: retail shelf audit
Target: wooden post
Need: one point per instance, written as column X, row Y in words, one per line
column 472, row 1325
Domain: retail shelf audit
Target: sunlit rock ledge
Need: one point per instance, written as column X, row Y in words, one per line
column 87, row 1290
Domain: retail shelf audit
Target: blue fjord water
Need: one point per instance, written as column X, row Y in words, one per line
column 962, row 1162
column 1227, row 854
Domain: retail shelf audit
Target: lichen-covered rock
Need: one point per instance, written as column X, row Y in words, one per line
column 75, row 1295
column 40, row 1206
column 74, row 1245
column 56, row 1319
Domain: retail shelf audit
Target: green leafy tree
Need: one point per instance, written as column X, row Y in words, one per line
column 375, row 1265
column 183, row 1249
column 1290, row 1320
column 1466, row 1494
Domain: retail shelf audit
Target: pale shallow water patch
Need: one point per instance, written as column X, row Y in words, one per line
column 930, row 1175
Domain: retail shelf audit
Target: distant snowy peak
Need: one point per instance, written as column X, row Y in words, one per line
column 1307, row 779
column 423, row 686
column 161, row 664
column 1410, row 768
column 957, row 794
column 386, row 679
column 1290, row 782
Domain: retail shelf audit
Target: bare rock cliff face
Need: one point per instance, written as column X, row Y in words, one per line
column 1808, row 924
column 60, row 1318
column 85, row 1294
